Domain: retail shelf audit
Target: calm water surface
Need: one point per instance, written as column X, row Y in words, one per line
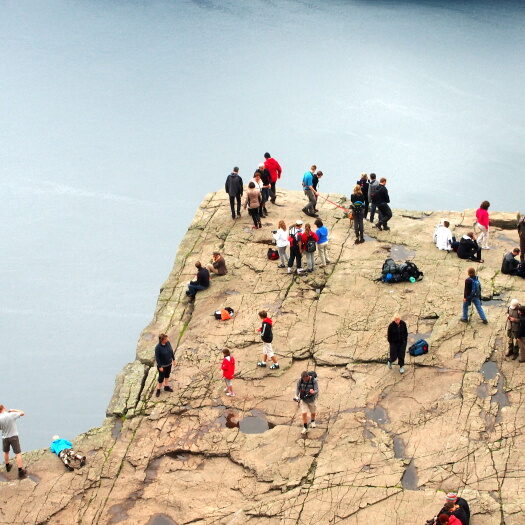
column 117, row 116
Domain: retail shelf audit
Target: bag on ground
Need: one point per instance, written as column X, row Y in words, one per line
column 420, row 347
column 224, row 314
column 273, row 255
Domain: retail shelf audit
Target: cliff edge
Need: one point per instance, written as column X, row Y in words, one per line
column 386, row 447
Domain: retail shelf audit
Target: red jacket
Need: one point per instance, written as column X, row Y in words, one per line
column 228, row 367
column 452, row 520
column 483, row 217
column 305, row 236
column 273, row 168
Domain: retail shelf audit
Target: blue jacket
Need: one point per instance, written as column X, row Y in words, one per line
column 308, row 179
column 322, row 233
column 59, row 445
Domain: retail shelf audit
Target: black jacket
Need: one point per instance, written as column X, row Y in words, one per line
column 397, row 333
column 364, row 188
column 164, row 355
column 521, row 228
column 467, row 292
column 233, row 185
column 266, row 330
column 521, row 327
column 510, row 264
column 265, row 176
column 203, row 277
column 460, row 513
column 380, row 196
column 467, row 248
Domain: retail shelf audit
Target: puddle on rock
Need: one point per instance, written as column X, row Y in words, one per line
column 489, row 370
column 399, row 252
column 231, row 292
column 117, row 428
column 482, row 390
column 377, row 414
column 409, row 479
column 367, row 238
column 399, row 448
column 367, row 434
column 495, row 301
column 34, row 478
column 3, row 478
column 254, row 424
column 161, row 519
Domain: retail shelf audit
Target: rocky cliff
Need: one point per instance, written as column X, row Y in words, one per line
column 387, row 446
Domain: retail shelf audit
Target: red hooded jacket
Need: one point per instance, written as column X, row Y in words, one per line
column 228, row 367
column 273, row 168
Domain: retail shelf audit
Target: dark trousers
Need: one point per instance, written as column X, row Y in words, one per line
column 254, row 212
column 522, row 248
column 359, row 216
column 372, row 211
column 295, row 255
column 166, row 371
column 273, row 192
column 193, row 288
column 265, row 196
column 232, row 204
column 475, row 255
column 367, row 205
column 397, row 352
column 385, row 213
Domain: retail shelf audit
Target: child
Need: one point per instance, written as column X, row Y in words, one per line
column 64, row 450
column 267, row 337
column 228, row 371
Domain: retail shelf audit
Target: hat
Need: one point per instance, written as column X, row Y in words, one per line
column 451, row 496
column 55, row 437
column 299, row 222
column 514, row 303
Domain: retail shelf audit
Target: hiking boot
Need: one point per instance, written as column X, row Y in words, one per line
column 510, row 353
column 362, row 239
column 402, row 370
column 378, row 226
column 386, row 228
column 312, row 424
column 310, row 270
column 157, row 393
column 275, row 366
column 262, row 364
column 304, row 431
column 22, row 472
column 389, row 364
column 521, row 361
column 357, row 241
column 8, row 467
column 83, row 461
column 70, row 468
column 168, row 389
column 485, row 321
column 464, row 320
column 281, row 266
column 514, row 357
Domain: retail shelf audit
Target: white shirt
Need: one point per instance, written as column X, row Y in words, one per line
column 443, row 238
column 281, row 238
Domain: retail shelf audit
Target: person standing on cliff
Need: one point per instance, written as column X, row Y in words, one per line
column 296, row 246
column 397, row 336
column 228, row 371
column 359, row 213
column 10, row 438
column 372, row 188
column 253, row 202
column 265, row 187
column 513, row 326
column 483, row 221
column 233, row 187
column 521, row 233
column 306, row 394
column 164, row 358
column 472, row 294
column 381, row 199
column 267, row 337
column 318, row 175
column 310, row 192
column 275, row 171
column 202, row 281
column 363, row 182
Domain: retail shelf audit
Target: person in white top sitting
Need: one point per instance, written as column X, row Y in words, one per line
column 443, row 236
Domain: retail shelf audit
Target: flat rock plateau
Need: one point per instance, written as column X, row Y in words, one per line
column 387, row 446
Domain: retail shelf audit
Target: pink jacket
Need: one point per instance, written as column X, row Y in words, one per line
column 483, row 217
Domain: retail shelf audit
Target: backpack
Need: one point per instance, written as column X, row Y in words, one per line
column 420, row 347
column 409, row 269
column 390, row 273
column 225, row 314
column 305, row 387
column 311, row 245
column 295, row 237
column 273, row 255
column 476, row 288
column 520, row 272
column 374, row 191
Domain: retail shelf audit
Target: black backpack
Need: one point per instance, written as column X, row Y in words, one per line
column 391, row 272
column 408, row 270
column 296, row 238
column 305, row 387
column 311, row 245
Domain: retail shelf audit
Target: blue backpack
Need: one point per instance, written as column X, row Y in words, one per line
column 476, row 288
column 420, row 347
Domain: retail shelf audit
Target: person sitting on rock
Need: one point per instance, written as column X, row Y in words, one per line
column 202, row 281
column 443, row 237
column 456, row 508
column 445, row 519
column 513, row 325
column 218, row 265
column 64, row 450
column 306, row 394
column 469, row 249
column 509, row 265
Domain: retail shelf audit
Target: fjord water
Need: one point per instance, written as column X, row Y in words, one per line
column 117, row 117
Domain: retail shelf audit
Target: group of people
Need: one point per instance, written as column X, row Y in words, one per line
column 201, row 282
column 455, row 511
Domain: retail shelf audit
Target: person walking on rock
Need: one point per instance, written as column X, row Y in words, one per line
column 469, row 249
column 483, row 221
column 10, row 439
column 358, row 211
column 309, row 245
column 521, row 333
column 267, row 338
column 372, row 188
column 164, row 358
column 509, row 265
column 218, row 265
column 233, row 187
column 259, row 184
column 322, row 242
column 264, row 175
column 282, row 242
column 228, row 371
column 306, row 394
column 521, row 233
column 202, row 281
column 513, row 327
column 310, row 192
column 296, row 242
column 472, row 295
column 318, row 175
column 64, row 450
column 381, row 200
column 253, row 203
column 364, row 184
column 397, row 336
column 275, row 171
